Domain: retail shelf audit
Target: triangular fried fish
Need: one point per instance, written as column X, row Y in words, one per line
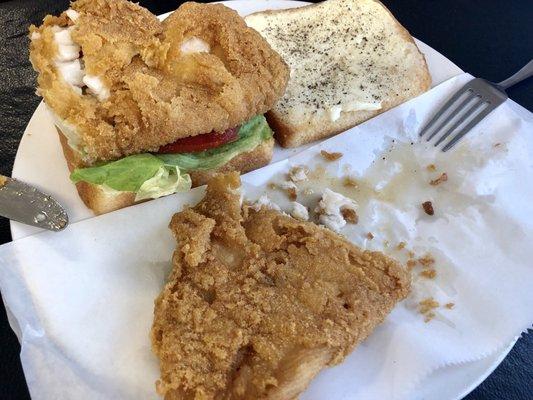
column 258, row 303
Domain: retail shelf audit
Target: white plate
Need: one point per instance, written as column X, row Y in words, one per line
column 39, row 161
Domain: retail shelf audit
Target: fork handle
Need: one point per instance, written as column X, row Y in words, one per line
column 521, row 75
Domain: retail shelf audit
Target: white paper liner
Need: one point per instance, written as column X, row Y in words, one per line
column 83, row 298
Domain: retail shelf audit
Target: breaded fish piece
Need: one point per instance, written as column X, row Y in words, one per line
column 120, row 82
column 258, row 303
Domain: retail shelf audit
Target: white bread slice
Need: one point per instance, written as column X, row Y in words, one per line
column 346, row 57
column 102, row 201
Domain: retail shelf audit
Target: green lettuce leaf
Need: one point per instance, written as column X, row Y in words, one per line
column 167, row 180
column 155, row 175
column 125, row 175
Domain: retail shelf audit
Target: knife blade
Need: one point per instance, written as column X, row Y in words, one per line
column 24, row 203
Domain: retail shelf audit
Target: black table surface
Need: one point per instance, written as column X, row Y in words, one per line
column 490, row 39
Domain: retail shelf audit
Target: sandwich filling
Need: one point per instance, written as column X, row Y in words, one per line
column 129, row 83
column 70, row 63
column 152, row 175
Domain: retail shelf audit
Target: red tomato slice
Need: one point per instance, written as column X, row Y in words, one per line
column 201, row 142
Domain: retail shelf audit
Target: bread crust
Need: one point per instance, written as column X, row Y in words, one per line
column 102, row 201
column 290, row 134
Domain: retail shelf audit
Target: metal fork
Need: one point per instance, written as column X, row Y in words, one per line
column 466, row 108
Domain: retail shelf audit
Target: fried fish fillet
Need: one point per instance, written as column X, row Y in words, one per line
column 120, row 82
column 258, row 303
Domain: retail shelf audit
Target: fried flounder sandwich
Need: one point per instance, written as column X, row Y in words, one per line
column 146, row 108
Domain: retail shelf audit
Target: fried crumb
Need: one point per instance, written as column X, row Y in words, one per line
column 449, row 306
column 308, row 191
column 442, row 178
column 330, row 156
column 497, row 144
column 428, row 207
column 427, row 305
column 426, row 260
column 410, row 254
column 3, row 180
column 350, row 215
column 369, row 236
column 288, row 187
column 348, row 181
column 248, row 304
column 331, row 208
column 298, row 173
column 291, row 193
column 431, row 168
column 401, row 246
column 411, row 264
column 429, row 273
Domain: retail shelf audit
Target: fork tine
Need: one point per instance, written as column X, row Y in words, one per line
column 452, row 114
column 473, row 108
column 467, row 128
column 443, row 109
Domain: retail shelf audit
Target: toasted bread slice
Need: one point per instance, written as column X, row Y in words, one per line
column 258, row 303
column 350, row 60
column 102, row 201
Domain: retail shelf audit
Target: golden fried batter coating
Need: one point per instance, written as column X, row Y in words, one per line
column 258, row 302
column 157, row 92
